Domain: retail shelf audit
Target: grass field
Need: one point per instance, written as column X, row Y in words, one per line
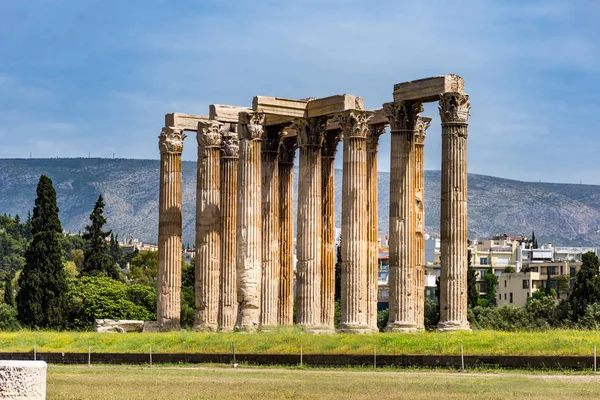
column 125, row 382
column 559, row 342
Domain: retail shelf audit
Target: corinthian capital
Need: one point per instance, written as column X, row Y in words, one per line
column 170, row 140
column 287, row 150
column 251, row 125
column 454, row 108
column 373, row 137
column 421, row 130
column 271, row 138
column 209, row 133
column 311, row 131
column 354, row 123
column 332, row 138
column 403, row 115
column 230, row 144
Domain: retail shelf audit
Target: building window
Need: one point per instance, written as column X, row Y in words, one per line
column 504, row 296
column 483, row 261
column 527, row 294
column 505, row 283
column 511, row 298
column 572, row 272
column 499, row 296
column 551, row 270
column 525, row 284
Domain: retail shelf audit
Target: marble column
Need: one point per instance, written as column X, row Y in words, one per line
column 208, row 226
column 168, row 284
column 332, row 138
column 310, row 217
column 270, row 228
column 419, row 245
column 287, row 153
column 354, row 223
column 249, row 221
column 372, row 224
column 403, row 117
column 229, row 178
column 454, row 113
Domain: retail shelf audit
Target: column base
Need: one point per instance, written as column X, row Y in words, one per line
column 251, row 328
column 317, row 329
column 268, row 328
column 206, row 328
column 452, row 326
column 398, row 326
column 168, row 325
column 357, row 329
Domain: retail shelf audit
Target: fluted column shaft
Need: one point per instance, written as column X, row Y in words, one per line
column 419, row 204
column 354, row 223
column 208, row 226
column 270, row 228
column 287, row 153
column 454, row 112
column 403, row 117
column 372, row 225
column 249, row 219
column 328, row 249
column 310, row 207
column 168, row 283
column 229, row 178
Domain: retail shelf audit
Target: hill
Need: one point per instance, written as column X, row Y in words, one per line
column 564, row 214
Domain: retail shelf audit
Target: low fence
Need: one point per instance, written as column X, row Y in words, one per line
column 374, row 360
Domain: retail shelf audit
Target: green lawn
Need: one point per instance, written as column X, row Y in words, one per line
column 559, row 342
column 126, row 382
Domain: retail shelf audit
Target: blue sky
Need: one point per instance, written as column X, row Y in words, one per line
column 87, row 76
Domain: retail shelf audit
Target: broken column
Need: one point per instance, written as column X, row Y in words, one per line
column 372, row 224
column 332, row 138
column 310, row 213
column 270, row 228
column 249, row 221
column 354, row 217
column 419, row 245
column 208, row 226
column 454, row 113
column 168, row 283
column 403, row 117
column 287, row 153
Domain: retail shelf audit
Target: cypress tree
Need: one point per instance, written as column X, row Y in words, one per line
column 586, row 290
column 9, row 297
column 472, row 292
column 338, row 274
column 96, row 260
column 42, row 298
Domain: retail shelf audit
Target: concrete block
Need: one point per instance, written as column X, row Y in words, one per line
column 23, row 380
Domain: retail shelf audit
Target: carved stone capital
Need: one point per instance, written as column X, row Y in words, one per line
column 251, row 125
column 287, row 150
column 311, row 131
column 354, row 123
column 403, row 115
column 230, row 143
column 170, row 140
column 332, row 138
column 373, row 137
column 271, row 138
column 454, row 108
column 209, row 133
column 421, row 130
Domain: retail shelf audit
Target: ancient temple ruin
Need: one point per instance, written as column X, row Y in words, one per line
column 245, row 222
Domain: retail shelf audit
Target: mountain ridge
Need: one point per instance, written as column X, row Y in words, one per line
column 563, row 213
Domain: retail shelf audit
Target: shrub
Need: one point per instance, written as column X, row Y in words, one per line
column 382, row 319
column 8, row 318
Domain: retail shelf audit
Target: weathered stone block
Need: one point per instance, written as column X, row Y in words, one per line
column 334, row 104
column 186, row 122
column 279, row 110
column 428, row 89
column 23, row 380
column 120, row 326
column 224, row 113
column 151, row 326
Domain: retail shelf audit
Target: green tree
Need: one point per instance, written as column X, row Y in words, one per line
column 472, row 291
column 9, row 296
column 491, row 280
column 586, row 290
column 42, row 298
column 548, row 288
column 96, row 259
column 116, row 252
column 144, row 266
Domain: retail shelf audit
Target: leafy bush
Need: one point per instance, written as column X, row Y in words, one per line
column 96, row 297
column 8, row 318
column 382, row 319
column 432, row 314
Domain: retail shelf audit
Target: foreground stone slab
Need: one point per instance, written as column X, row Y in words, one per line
column 120, row 326
column 428, row 89
column 23, row 380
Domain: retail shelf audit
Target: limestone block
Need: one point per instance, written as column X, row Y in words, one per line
column 334, row 104
column 224, row 113
column 24, row 380
column 121, row 326
column 428, row 89
column 279, row 110
column 151, row 326
column 185, row 122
